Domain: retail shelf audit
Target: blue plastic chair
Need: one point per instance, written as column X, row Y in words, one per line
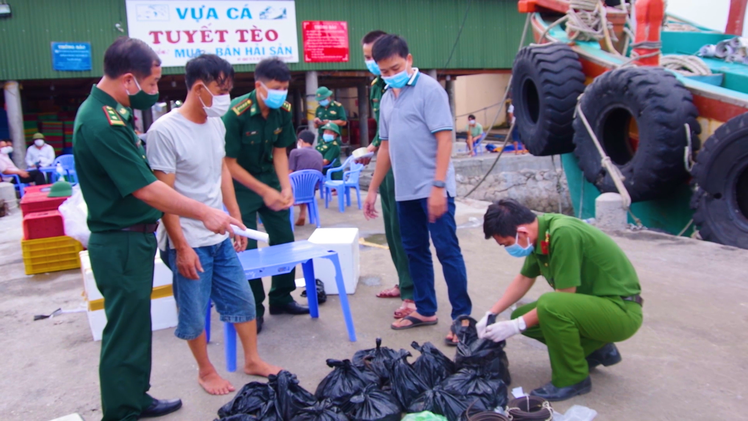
column 350, row 181
column 325, row 170
column 68, row 165
column 19, row 186
column 303, row 184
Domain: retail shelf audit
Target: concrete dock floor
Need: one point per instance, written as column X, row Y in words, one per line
column 688, row 361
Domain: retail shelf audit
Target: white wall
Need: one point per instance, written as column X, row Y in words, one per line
column 474, row 92
column 709, row 13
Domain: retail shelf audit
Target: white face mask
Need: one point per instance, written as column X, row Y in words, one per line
column 39, row 142
column 471, row 122
column 6, row 149
column 220, row 105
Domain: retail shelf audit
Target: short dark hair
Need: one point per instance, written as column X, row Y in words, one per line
column 207, row 68
column 388, row 46
column 129, row 55
column 307, row 137
column 372, row 36
column 471, row 117
column 503, row 217
column 272, row 69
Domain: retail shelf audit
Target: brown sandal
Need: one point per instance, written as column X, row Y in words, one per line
column 403, row 310
column 393, row 292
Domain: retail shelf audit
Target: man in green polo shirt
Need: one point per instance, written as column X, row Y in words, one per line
column 258, row 131
column 329, row 111
column 124, row 201
column 596, row 300
column 404, row 288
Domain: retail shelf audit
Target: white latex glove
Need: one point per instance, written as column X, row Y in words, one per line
column 500, row 331
column 481, row 326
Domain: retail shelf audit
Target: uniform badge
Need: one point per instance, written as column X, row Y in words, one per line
column 332, row 112
column 375, row 100
column 277, row 131
column 242, row 106
column 286, row 106
column 545, row 244
column 112, row 116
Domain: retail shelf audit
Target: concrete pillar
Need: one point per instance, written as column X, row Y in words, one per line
column 431, row 73
column 15, row 121
column 450, row 87
column 609, row 212
column 298, row 109
column 363, row 114
column 311, row 103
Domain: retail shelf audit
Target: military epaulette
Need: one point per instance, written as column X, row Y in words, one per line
column 112, row 116
column 241, row 107
column 286, row 106
column 374, row 82
column 336, row 103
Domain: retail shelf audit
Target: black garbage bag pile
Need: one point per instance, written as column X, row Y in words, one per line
column 371, row 404
column 484, row 390
column 344, row 380
column 483, row 355
column 433, row 366
column 405, row 382
column 252, row 400
column 375, row 360
column 323, row 410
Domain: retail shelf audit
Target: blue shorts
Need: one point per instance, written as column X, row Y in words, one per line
column 221, row 281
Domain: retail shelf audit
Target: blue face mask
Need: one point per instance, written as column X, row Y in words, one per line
column 397, row 81
column 328, row 137
column 516, row 250
column 325, row 102
column 275, row 97
column 373, row 67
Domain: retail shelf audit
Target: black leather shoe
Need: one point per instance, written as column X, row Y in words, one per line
column 552, row 393
column 260, row 322
column 607, row 356
column 291, row 308
column 161, row 407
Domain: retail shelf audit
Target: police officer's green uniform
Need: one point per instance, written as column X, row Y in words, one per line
column 330, row 150
column 333, row 111
column 111, row 165
column 570, row 253
column 389, row 205
column 250, row 138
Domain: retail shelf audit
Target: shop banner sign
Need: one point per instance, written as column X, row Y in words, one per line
column 325, row 41
column 71, row 56
column 241, row 32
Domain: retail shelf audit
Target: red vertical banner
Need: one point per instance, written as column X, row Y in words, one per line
column 325, row 41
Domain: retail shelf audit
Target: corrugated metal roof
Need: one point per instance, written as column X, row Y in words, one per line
column 488, row 40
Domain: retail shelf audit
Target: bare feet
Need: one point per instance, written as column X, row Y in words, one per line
column 215, row 384
column 405, row 322
column 260, row 368
column 300, row 222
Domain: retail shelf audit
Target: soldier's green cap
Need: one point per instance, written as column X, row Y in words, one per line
column 332, row 126
column 323, row 93
column 61, row 188
column 37, row 136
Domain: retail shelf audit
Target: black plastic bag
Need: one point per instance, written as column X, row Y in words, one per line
column 489, row 389
column 442, row 402
column 323, row 410
column 250, row 399
column 371, row 404
column 321, row 294
column 375, row 360
column 432, row 365
column 344, row 380
column 238, row 417
column 405, row 382
column 289, row 396
column 484, row 355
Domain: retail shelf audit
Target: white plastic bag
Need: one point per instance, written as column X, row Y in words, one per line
column 74, row 215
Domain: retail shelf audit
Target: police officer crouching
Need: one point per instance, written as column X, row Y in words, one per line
column 125, row 201
column 596, row 300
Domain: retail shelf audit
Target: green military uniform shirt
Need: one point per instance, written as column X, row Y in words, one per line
column 250, row 138
column 571, row 253
column 110, row 164
column 330, row 151
column 334, row 111
column 378, row 87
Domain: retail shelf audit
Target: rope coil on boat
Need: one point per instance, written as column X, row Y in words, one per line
column 586, row 20
column 685, row 64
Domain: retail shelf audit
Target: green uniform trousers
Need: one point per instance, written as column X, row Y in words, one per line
column 122, row 263
column 392, row 233
column 278, row 226
column 575, row 325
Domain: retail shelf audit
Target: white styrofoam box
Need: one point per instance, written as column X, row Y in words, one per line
column 161, row 276
column 163, row 316
column 345, row 242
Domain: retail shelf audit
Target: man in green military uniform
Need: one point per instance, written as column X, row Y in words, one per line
column 258, row 130
column 329, row 146
column 596, row 300
column 124, row 201
column 404, row 288
column 329, row 111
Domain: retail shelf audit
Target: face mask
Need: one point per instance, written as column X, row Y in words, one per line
column 6, row 149
column 373, row 67
column 328, row 137
column 220, row 104
column 324, row 102
column 39, row 143
column 471, row 122
column 142, row 100
column 516, row 250
column 397, row 81
column 275, row 97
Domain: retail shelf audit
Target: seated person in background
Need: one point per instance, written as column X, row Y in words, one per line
column 39, row 154
column 474, row 134
column 304, row 157
column 8, row 168
column 518, row 147
column 329, row 147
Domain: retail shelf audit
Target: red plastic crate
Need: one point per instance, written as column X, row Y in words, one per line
column 37, row 189
column 43, row 225
column 39, row 202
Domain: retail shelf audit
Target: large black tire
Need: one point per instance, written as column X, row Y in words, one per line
column 546, row 82
column 721, row 179
column 660, row 107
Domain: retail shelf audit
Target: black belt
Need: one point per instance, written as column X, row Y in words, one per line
column 530, row 408
column 634, row 298
column 144, row 228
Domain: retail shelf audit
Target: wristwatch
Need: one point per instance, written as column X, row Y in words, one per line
column 439, row 184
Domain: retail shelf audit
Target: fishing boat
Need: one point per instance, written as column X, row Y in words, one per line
column 641, row 103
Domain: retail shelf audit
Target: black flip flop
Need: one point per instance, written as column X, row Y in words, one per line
column 415, row 322
column 451, row 342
